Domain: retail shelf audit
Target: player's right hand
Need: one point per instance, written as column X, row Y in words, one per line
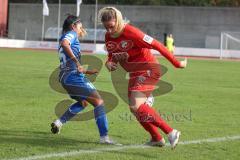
column 183, row 64
column 118, row 57
column 111, row 66
column 80, row 69
column 93, row 71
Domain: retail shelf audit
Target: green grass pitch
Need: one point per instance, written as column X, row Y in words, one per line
column 205, row 103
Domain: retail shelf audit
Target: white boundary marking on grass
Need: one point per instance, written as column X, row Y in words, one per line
column 118, row 148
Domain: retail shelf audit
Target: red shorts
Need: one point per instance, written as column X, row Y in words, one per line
column 144, row 76
column 142, row 83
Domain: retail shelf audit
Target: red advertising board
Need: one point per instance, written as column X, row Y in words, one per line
column 3, row 17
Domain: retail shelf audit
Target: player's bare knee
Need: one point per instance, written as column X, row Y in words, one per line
column 99, row 102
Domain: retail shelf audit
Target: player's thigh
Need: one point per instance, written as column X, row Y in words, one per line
column 79, row 89
column 136, row 99
column 95, row 99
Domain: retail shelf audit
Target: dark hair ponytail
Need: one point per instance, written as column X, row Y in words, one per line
column 71, row 19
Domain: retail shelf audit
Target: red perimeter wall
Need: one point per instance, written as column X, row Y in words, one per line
column 3, row 17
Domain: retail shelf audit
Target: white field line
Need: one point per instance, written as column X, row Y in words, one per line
column 118, row 148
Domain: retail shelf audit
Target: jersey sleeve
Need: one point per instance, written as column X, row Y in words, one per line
column 70, row 37
column 109, row 58
column 143, row 40
column 109, row 54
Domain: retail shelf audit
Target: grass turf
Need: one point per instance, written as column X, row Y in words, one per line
column 203, row 104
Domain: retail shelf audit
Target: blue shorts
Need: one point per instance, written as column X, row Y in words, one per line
column 77, row 85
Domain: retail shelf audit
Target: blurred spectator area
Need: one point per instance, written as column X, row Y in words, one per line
column 51, row 34
column 197, row 27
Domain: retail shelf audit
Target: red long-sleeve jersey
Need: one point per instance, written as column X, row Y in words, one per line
column 137, row 45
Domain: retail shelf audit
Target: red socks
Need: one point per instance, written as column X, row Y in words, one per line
column 147, row 115
column 153, row 130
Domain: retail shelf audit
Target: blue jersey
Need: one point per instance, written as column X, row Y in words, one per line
column 66, row 64
column 75, row 83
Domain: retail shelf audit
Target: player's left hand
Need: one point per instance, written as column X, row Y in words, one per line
column 183, row 64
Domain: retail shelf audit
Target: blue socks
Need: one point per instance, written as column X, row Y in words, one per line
column 101, row 120
column 99, row 113
column 74, row 109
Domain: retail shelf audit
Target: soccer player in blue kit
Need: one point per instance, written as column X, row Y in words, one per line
column 74, row 81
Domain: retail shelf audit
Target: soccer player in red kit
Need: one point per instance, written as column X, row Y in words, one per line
column 130, row 47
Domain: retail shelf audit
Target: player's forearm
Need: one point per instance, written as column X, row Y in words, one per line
column 163, row 50
column 69, row 52
column 109, row 58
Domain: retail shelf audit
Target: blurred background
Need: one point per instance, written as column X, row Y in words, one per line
column 212, row 24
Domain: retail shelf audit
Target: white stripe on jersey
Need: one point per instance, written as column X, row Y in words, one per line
column 67, row 40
